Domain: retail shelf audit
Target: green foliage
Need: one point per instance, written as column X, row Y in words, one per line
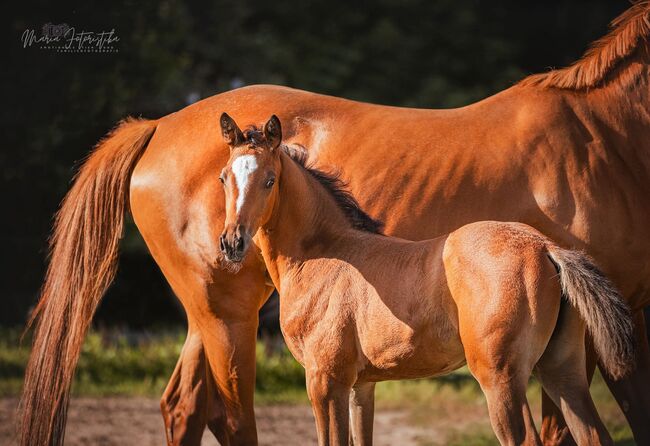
column 123, row 363
column 12, row 361
column 110, row 363
column 145, row 364
column 421, row 392
column 279, row 377
column 473, row 436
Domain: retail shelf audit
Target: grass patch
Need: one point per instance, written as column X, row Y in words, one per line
column 455, row 407
column 140, row 364
column 419, row 392
column 476, row 437
column 280, row 378
column 111, row 363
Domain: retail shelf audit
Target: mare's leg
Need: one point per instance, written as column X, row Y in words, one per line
column 362, row 413
column 189, row 401
column 562, row 372
column 222, row 309
column 177, row 204
column 229, row 339
column 330, row 401
column 633, row 392
column 554, row 431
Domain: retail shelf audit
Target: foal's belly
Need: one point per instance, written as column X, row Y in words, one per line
column 399, row 351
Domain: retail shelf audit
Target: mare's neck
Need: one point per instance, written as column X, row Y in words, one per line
column 306, row 223
column 630, row 83
column 623, row 105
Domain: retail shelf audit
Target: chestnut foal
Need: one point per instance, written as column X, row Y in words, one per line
column 357, row 307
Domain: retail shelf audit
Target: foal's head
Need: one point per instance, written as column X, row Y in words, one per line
column 249, row 181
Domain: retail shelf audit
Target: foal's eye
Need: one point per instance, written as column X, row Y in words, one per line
column 269, row 183
column 222, row 181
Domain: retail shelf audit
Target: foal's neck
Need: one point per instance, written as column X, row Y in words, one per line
column 306, row 223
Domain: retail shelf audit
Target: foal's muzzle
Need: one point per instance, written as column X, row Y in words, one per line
column 234, row 242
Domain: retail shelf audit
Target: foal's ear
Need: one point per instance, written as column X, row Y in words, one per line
column 273, row 132
column 231, row 133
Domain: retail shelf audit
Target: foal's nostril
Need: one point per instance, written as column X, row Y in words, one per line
column 222, row 243
column 240, row 244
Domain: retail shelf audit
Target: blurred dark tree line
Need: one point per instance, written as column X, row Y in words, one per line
column 442, row 53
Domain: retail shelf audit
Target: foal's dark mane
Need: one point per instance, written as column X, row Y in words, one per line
column 331, row 181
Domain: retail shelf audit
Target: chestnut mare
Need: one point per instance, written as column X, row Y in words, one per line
column 567, row 152
column 357, row 307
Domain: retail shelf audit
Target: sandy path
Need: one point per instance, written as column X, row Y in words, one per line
column 137, row 421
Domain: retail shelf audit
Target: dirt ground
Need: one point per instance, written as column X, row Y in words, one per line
column 137, row 421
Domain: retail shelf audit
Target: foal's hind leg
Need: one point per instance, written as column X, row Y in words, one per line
column 499, row 359
column 505, row 390
column 562, row 372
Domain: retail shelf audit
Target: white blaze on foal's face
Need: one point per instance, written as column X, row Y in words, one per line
column 242, row 168
column 249, row 182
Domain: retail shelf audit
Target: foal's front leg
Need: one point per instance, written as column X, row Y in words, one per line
column 329, row 401
column 362, row 413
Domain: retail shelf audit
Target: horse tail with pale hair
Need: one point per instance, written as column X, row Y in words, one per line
column 83, row 263
column 602, row 308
